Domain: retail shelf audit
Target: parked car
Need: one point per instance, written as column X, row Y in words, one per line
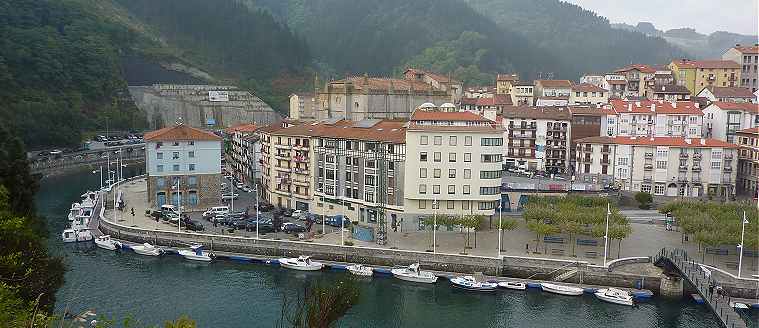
column 169, row 217
column 229, row 196
column 192, row 225
column 213, row 211
column 264, row 226
column 265, row 207
column 246, row 189
column 335, row 220
column 290, row 228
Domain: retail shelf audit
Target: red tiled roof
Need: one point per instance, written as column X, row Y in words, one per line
column 754, row 130
column 660, row 107
column 531, row 112
column 706, row 63
column 730, row 92
column 748, row 49
column 643, row 68
column 180, row 132
column 386, row 130
column 554, row 83
column 660, row 141
column 244, row 127
column 437, row 77
column 421, row 115
column 745, row 107
column 376, row 83
column 507, row 77
column 670, row 89
column 587, row 87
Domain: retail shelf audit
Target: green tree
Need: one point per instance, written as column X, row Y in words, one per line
column 321, row 305
column 644, row 199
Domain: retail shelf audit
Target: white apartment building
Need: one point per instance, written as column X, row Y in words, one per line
column 588, row 94
column 639, row 78
column 727, row 94
column 664, row 166
column 537, row 138
column 723, row 119
column 243, row 154
column 616, row 84
column 187, row 157
column 652, row 118
column 522, row 93
column 748, row 57
column 453, row 164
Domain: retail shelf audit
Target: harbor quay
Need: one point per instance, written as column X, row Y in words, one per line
column 631, row 269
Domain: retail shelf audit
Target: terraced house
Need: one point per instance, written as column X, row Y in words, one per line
column 698, row 74
column 657, row 118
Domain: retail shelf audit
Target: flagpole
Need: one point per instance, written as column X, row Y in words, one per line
column 179, row 208
column 740, row 247
column 606, row 236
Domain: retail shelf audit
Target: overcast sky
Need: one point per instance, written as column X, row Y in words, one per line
column 706, row 16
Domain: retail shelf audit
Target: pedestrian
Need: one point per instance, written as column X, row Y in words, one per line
column 132, row 211
column 214, row 222
column 527, row 248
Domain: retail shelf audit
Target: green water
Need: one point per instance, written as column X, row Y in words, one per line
column 226, row 294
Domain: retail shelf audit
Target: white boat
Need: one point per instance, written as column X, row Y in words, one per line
column 518, row 285
column 739, row 305
column 105, row 242
column 302, row 263
column 470, row 283
column 75, row 210
column 413, row 274
column 147, row 249
column 561, row 289
column 196, row 253
column 614, row 295
column 360, row 270
column 76, row 235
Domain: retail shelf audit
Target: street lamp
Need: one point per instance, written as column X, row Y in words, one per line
column 434, row 225
column 500, row 224
column 740, row 247
column 606, row 236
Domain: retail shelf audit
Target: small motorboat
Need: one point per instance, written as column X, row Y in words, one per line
column 75, row 210
column 360, row 270
column 562, row 289
column 196, row 253
column 147, row 249
column 614, row 295
column 518, row 285
column 413, row 274
column 302, row 263
column 105, row 242
column 470, row 283
column 76, row 235
column 739, row 305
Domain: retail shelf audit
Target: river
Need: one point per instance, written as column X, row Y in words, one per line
column 226, row 294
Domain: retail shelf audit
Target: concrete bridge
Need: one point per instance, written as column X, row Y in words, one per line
column 60, row 163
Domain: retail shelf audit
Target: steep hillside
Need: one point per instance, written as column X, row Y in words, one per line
column 584, row 41
column 697, row 45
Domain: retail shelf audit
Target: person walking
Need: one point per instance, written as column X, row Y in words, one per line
column 132, row 212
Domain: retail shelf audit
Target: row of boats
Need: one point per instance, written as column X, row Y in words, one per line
column 195, row 252
column 79, row 217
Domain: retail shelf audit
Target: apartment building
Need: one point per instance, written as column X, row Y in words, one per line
column 639, row 78
column 723, row 119
column 748, row 59
column 585, row 122
column 523, row 93
column 537, row 138
column 480, row 105
column 728, row 94
column 505, row 82
column 479, row 92
column 653, row 118
column 588, row 94
column 748, row 161
column 453, row 165
column 668, row 92
column 437, row 81
column 616, row 84
column 552, row 92
column 242, row 154
column 184, row 157
column 302, row 106
column 664, row 166
column 698, row 74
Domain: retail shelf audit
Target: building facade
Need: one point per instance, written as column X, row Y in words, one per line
column 302, row 106
column 698, row 74
column 183, row 166
column 537, row 138
column 748, row 161
column 588, row 94
column 728, row 94
column 639, row 78
column 243, row 153
column 723, row 119
column 668, row 92
column 656, row 118
column 748, row 59
column 505, row 82
column 522, row 94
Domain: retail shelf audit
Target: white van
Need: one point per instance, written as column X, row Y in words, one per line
column 169, row 209
column 213, row 211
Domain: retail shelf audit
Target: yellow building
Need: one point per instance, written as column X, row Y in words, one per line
column 504, row 82
column 697, row 74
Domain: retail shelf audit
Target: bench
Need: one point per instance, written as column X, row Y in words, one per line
column 716, row 251
column 591, row 254
column 557, row 251
column 587, row 242
column 553, row 240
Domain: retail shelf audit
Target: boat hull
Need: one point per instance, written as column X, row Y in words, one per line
column 568, row 291
column 107, row 246
column 628, row 302
column 476, row 287
column 195, row 257
column 361, row 272
column 425, row 279
column 315, row 266
column 513, row 285
column 147, row 252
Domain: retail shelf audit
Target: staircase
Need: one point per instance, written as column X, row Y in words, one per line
column 566, row 275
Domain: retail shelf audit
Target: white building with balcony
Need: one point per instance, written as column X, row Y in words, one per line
column 655, row 118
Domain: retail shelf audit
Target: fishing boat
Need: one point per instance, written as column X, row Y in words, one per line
column 360, row 270
column 517, row 285
column 614, row 295
column 561, row 289
column 470, row 283
column 105, row 242
column 196, row 253
column 73, row 235
column 147, row 249
column 413, row 274
column 302, row 263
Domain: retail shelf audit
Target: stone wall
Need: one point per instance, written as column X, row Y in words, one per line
column 208, row 188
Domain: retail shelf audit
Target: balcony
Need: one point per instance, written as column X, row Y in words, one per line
column 648, row 167
column 682, row 179
column 696, row 179
column 696, row 168
column 649, row 155
column 282, row 146
column 281, row 168
column 647, row 179
column 728, row 156
column 683, row 155
column 683, row 168
column 697, row 156
column 302, row 182
column 728, row 169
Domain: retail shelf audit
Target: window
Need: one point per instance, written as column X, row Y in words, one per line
column 423, row 140
column 659, row 189
column 369, row 180
column 465, row 189
column 330, row 158
column 435, row 204
column 490, row 190
column 436, row 189
column 422, row 172
column 452, row 173
column 452, row 141
column 622, row 161
column 490, row 174
column 159, row 168
column 662, row 153
column 438, row 140
column 175, row 155
column 190, row 167
column 467, row 140
column 159, row 155
column 450, row 204
column 422, row 204
column 191, row 154
column 492, row 158
column 370, row 163
column 348, row 176
column 467, row 157
column 467, row 173
column 191, row 143
column 716, row 165
column 423, row 156
column 176, row 143
column 175, row 168
column 488, row 205
column 716, row 154
column 423, row 189
column 436, row 173
column 452, row 157
column 192, row 198
column 661, row 164
column 451, row 189
column 437, row 156
column 491, row 142
column 645, row 188
column 161, row 182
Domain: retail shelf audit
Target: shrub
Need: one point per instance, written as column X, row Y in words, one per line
column 644, row 199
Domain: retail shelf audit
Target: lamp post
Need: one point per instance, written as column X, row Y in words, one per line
column 434, row 226
column 500, row 225
column 740, row 247
column 606, row 236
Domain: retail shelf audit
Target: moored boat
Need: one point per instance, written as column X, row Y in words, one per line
column 562, row 289
column 614, row 295
column 105, row 242
column 76, row 235
column 75, row 210
column 360, row 270
column 302, row 263
column 196, row 253
column 413, row 274
column 470, row 283
column 517, row 285
column 147, row 249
